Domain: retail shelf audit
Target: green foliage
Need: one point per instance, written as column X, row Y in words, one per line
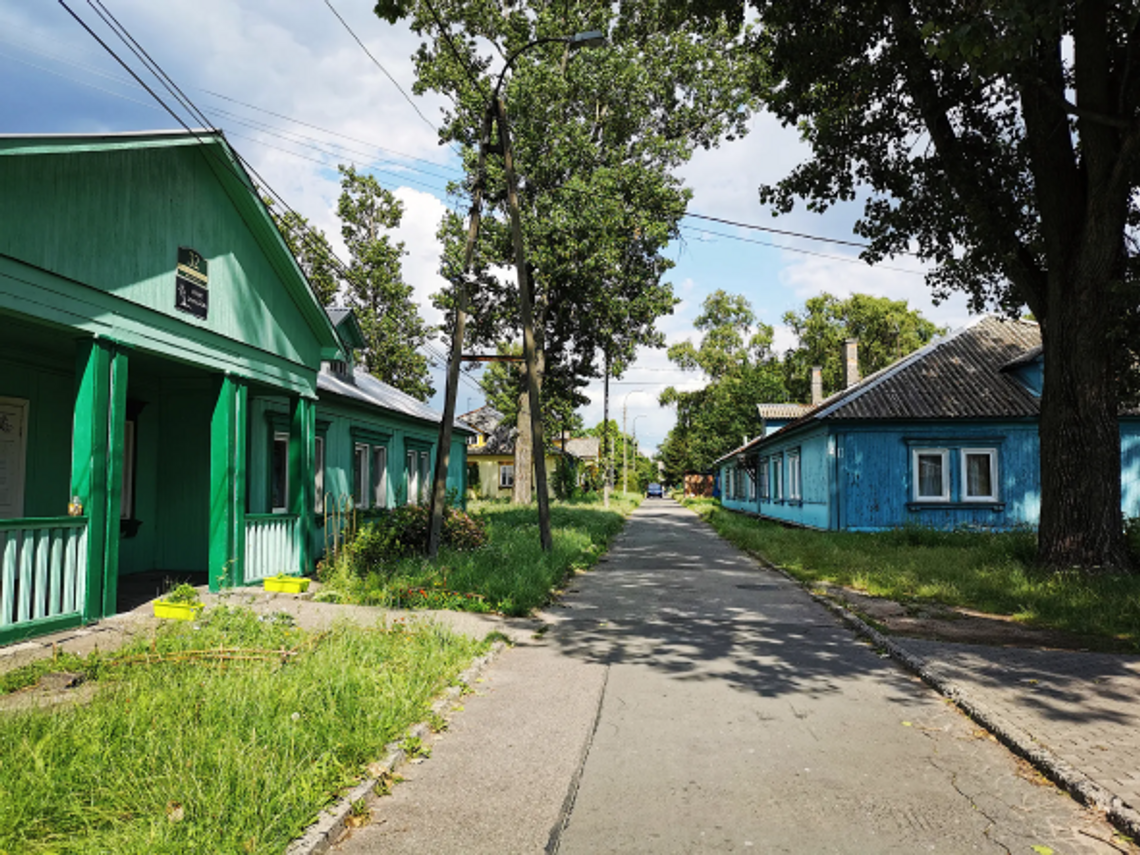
column 596, row 139
column 511, row 574
column 736, row 355
column 177, row 754
column 375, row 288
column 393, row 533
column 310, row 246
column 886, row 330
column 182, row 593
column 989, row 572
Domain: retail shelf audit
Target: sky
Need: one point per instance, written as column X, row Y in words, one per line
column 295, row 94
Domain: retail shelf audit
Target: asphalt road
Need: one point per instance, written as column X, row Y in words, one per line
column 685, row 700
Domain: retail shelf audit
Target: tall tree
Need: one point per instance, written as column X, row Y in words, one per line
column 735, row 353
column 312, row 250
column 1000, row 140
column 595, row 141
column 375, row 288
column 885, row 329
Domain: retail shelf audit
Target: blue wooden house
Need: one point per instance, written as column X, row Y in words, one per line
column 945, row 437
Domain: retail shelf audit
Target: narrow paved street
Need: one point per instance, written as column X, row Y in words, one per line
column 685, row 700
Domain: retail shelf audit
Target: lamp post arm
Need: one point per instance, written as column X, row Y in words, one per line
column 511, row 60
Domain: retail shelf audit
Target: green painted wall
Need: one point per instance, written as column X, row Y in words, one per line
column 125, row 216
column 183, row 473
column 50, row 392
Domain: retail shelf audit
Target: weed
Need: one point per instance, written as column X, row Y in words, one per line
column 436, row 722
column 415, row 748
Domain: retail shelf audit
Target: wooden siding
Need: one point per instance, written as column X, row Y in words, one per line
column 876, row 490
column 813, row 508
column 1130, row 467
column 271, row 546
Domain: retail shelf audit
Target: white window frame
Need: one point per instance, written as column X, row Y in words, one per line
column 750, row 487
column 991, row 453
column 361, row 469
column 795, row 477
column 379, row 473
column 778, row 477
column 506, row 476
column 762, row 474
column 916, row 481
column 279, row 436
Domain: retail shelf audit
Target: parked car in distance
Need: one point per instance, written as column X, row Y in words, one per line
column 654, row 491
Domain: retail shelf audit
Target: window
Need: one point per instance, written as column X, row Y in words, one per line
column 762, row 473
column 360, row 475
column 795, row 487
column 279, row 476
column 778, row 477
column 379, row 476
column 751, row 486
column 506, row 475
column 319, row 478
column 412, row 471
column 979, row 475
column 931, row 474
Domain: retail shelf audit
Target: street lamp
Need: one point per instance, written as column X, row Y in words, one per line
column 498, row 110
column 624, row 441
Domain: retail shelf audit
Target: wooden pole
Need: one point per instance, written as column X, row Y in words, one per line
column 443, row 451
column 529, row 349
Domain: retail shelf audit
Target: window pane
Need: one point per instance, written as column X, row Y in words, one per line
column 360, row 476
column 979, row 478
column 280, row 473
column 930, row 475
column 380, row 477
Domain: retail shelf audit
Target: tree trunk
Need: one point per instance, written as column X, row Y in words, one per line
column 523, row 493
column 1081, row 524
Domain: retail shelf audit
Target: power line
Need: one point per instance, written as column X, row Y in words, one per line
column 376, row 62
column 785, row 232
column 802, row 251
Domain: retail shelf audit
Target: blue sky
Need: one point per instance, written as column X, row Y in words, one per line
column 296, row 60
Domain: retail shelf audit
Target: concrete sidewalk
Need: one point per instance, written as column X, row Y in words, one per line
column 685, row 699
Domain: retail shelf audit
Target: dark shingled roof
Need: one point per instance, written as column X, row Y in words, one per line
column 485, row 419
column 958, row 376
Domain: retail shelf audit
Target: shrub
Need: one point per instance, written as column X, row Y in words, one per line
column 400, row 532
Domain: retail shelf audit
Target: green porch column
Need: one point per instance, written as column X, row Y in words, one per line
column 227, row 483
column 302, row 475
column 97, row 465
column 89, row 459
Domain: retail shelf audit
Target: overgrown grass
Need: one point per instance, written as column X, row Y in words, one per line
column 183, row 749
column 510, row 574
column 992, row 573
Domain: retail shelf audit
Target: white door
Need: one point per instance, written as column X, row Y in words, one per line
column 13, row 446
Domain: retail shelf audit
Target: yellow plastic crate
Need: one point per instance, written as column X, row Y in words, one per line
column 177, row 611
column 287, row 584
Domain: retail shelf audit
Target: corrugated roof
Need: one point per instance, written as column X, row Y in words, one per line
column 484, row 420
column 782, row 411
column 957, row 376
column 368, row 390
column 584, row 446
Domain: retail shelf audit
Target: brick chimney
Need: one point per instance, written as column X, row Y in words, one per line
column 816, row 384
column 851, row 361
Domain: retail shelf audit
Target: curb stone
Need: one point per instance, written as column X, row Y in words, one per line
column 1075, row 782
column 331, row 824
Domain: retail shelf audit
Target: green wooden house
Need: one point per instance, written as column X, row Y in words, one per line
column 161, row 400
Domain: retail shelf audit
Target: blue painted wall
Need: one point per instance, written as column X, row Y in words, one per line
column 1130, row 467
column 813, row 508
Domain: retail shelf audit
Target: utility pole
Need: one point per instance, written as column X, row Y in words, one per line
column 443, row 451
column 624, row 445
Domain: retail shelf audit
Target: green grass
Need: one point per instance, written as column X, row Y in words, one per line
column 992, row 573
column 511, row 574
column 187, row 753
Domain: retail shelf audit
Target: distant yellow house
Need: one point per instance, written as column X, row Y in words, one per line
column 491, row 455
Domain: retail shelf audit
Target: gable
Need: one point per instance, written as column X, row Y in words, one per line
column 112, row 212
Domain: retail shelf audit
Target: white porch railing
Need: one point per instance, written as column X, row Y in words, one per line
column 270, row 546
column 43, row 569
